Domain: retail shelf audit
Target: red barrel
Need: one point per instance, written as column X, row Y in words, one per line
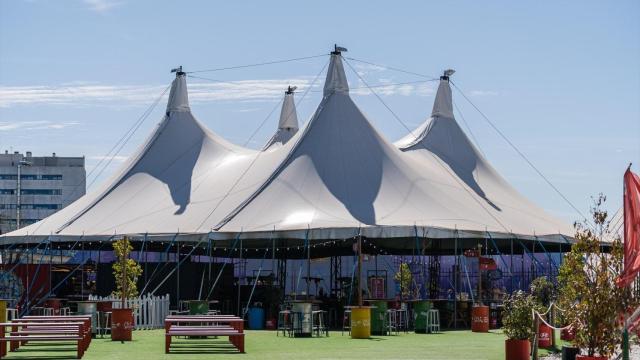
column 544, row 335
column 480, row 318
column 121, row 324
column 567, row 334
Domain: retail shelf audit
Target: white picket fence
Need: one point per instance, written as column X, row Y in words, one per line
column 149, row 311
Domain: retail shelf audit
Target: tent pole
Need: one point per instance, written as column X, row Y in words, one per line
column 455, row 280
column 511, row 265
column 178, row 274
column 307, row 243
column 239, row 264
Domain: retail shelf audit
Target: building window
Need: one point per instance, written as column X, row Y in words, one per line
column 29, row 177
column 51, row 177
column 7, row 206
column 38, row 206
column 8, row 177
column 41, row 192
column 7, row 191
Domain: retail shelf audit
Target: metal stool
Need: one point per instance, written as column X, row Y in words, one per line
column 47, row 311
column 64, row 311
column 402, row 318
column 284, row 323
column 346, row 321
column 104, row 322
column 392, row 321
column 318, row 324
column 433, row 321
column 12, row 314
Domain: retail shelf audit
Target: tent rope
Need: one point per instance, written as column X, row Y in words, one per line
column 257, row 64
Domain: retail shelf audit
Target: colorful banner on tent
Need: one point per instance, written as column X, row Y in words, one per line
column 16, row 281
column 487, row 264
column 631, row 228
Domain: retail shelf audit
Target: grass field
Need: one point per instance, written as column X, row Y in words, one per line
column 264, row 345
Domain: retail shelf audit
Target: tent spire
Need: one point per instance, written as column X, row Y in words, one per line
column 288, row 124
column 288, row 115
column 443, row 104
column 336, row 79
column 178, row 97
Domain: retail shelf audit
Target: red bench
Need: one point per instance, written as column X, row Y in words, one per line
column 205, row 325
column 21, row 332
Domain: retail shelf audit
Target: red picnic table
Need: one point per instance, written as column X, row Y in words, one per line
column 205, row 325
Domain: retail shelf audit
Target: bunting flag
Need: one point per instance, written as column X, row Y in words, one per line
column 631, row 228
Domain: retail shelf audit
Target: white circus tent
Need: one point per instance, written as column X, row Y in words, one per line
column 336, row 178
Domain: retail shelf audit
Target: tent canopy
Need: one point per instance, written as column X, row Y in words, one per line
column 336, row 178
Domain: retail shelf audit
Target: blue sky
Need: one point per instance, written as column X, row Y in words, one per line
column 561, row 79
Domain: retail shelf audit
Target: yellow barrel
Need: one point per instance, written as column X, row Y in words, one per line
column 3, row 311
column 360, row 322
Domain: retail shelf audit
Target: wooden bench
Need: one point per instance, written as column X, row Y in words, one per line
column 21, row 332
column 235, row 337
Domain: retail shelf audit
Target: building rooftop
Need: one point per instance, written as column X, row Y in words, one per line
column 11, row 159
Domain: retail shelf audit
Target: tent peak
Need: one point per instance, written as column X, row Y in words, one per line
column 178, row 96
column 443, row 104
column 337, row 50
column 446, row 74
column 178, row 71
column 336, row 80
column 290, row 90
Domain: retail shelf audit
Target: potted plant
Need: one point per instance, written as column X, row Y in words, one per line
column 592, row 301
column 517, row 327
column 125, row 272
column 543, row 292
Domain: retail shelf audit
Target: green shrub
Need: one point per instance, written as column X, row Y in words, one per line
column 518, row 316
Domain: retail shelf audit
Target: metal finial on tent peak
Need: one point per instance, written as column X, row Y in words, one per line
column 290, row 89
column 178, row 71
column 337, row 50
column 447, row 73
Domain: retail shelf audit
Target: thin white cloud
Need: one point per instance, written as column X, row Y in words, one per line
column 101, row 6
column 35, row 125
column 84, row 94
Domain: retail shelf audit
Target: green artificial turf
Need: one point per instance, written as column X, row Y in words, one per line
column 264, row 345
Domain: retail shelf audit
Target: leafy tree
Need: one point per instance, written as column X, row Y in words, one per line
column 543, row 291
column 405, row 278
column 588, row 293
column 125, row 270
column 518, row 315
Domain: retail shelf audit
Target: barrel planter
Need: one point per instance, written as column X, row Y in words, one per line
column 121, row 324
column 544, row 335
column 361, row 322
column 585, row 357
column 567, row 334
column 480, row 318
column 569, row 352
column 420, row 311
column 378, row 317
column 515, row 349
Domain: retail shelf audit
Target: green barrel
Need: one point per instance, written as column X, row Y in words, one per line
column 378, row 317
column 198, row 307
column 420, row 310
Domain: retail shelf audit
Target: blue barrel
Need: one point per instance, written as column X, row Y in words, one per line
column 256, row 318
